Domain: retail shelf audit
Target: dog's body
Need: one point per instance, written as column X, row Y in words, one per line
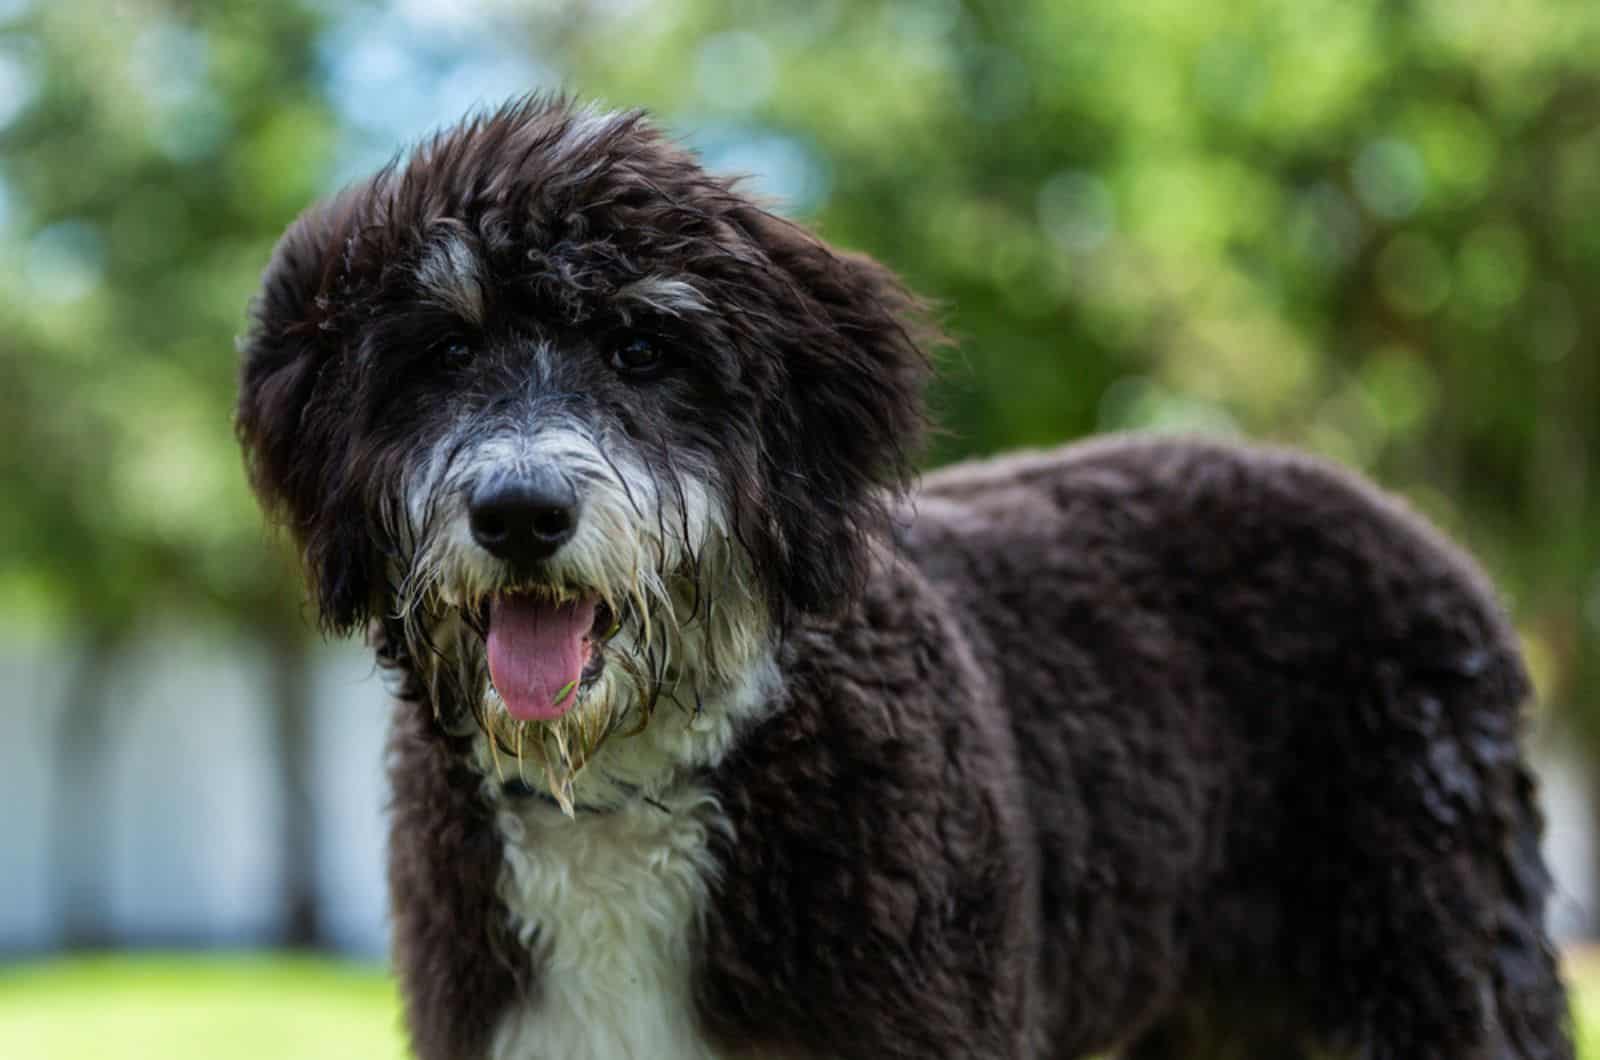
column 1168, row 748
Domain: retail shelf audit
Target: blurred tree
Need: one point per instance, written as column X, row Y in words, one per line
column 151, row 155
column 1360, row 226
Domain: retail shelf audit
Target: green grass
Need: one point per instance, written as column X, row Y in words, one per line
column 1583, row 978
column 285, row 1008
column 177, row 1008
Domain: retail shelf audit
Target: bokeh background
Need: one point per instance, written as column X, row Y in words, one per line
column 1366, row 227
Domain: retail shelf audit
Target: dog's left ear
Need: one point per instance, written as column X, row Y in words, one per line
column 847, row 418
column 293, row 419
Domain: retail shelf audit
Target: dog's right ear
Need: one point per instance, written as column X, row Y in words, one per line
column 846, row 354
column 293, row 427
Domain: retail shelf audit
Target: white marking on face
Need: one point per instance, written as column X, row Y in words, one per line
column 633, row 526
column 451, row 273
column 642, row 543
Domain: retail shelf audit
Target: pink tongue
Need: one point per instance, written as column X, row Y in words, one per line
column 537, row 650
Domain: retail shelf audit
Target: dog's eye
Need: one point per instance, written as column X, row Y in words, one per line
column 455, row 351
column 637, row 359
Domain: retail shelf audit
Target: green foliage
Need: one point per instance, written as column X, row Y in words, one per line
column 163, row 151
column 1359, row 226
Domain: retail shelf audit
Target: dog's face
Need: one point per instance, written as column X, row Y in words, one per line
column 579, row 425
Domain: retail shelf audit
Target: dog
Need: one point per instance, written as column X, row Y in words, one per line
column 718, row 734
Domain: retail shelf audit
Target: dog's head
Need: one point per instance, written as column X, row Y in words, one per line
column 575, row 421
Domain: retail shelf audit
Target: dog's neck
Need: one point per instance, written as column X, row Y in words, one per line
column 680, row 739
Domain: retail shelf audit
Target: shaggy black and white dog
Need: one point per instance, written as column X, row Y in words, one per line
column 717, row 737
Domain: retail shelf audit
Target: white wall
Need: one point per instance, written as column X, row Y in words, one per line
column 188, row 843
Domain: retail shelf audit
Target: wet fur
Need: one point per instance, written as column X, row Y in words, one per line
column 1162, row 747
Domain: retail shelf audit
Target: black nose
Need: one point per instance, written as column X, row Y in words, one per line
column 524, row 518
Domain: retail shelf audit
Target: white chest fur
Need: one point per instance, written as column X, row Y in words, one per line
column 607, row 904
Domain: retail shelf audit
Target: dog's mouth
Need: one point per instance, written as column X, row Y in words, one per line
column 544, row 648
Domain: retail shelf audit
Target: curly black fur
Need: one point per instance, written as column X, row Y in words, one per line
column 1167, row 748
column 1257, row 789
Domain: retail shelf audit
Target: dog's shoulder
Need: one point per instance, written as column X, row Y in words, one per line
column 871, row 860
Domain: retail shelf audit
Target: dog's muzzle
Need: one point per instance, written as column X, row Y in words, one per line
column 543, row 641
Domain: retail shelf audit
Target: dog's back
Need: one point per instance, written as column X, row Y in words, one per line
column 1267, row 725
